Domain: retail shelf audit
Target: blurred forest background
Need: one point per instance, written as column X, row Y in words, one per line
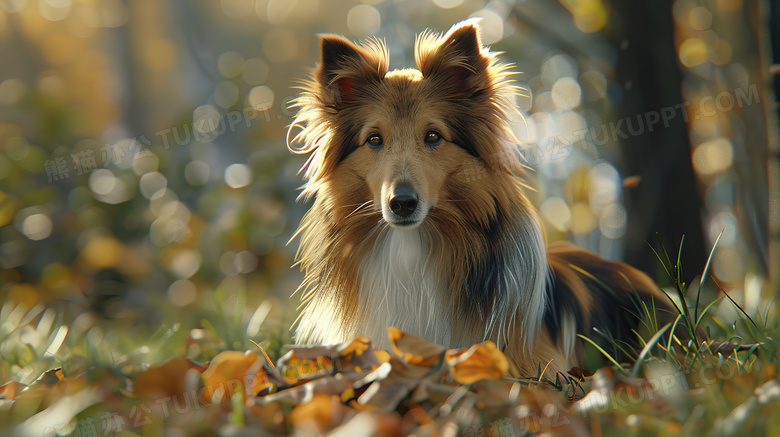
column 145, row 178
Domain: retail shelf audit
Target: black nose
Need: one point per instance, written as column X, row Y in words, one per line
column 404, row 200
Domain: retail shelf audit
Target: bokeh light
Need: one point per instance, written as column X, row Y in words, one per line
column 185, row 263
column 557, row 212
column 37, row 226
column 566, row 93
column 448, row 4
column 230, row 64
column 226, row 94
column 196, row 173
column 238, row 175
column 363, row 20
column 261, row 97
column 713, row 156
column 491, row 25
column 182, row 293
column 152, row 182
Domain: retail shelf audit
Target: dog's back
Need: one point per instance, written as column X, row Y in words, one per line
column 587, row 292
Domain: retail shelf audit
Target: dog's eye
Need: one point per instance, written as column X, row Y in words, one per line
column 432, row 138
column 375, row 141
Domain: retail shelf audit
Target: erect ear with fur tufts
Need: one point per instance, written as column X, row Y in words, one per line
column 456, row 58
column 343, row 65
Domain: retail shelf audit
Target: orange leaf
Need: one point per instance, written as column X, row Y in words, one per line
column 166, row 379
column 9, row 390
column 478, row 362
column 383, row 356
column 323, row 412
column 357, row 346
column 270, row 415
column 232, row 369
column 413, row 349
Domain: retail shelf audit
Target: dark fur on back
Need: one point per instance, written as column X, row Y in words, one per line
column 607, row 295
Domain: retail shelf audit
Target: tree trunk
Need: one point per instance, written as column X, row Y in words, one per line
column 666, row 200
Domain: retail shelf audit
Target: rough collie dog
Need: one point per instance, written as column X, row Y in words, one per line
column 402, row 233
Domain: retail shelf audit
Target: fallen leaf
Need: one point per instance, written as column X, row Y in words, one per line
column 9, row 390
column 322, row 413
column 480, row 361
column 305, row 363
column 230, row 370
column 165, row 379
column 392, row 382
column 580, row 373
column 413, row 349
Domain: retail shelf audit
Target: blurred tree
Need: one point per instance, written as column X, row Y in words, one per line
column 666, row 201
column 773, row 40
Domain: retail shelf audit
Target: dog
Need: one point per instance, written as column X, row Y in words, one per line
column 420, row 217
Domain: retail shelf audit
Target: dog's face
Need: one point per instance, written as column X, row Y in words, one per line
column 398, row 141
column 404, row 149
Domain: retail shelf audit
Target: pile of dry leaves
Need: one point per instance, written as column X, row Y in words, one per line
column 352, row 389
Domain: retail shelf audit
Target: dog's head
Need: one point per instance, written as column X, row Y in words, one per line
column 404, row 141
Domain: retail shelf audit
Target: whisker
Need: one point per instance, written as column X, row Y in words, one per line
column 363, row 205
column 353, row 204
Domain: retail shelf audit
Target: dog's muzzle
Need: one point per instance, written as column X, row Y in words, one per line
column 404, row 209
column 404, row 200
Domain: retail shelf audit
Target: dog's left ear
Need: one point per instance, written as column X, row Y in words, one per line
column 457, row 59
column 346, row 67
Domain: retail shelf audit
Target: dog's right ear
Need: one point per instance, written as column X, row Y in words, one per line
column 345, row 67
column 456, row 59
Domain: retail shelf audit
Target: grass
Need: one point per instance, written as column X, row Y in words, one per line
column 86, row 372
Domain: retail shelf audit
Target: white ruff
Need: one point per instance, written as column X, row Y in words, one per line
column 398, row 288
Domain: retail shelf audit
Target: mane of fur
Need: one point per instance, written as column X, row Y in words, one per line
column 486, row 244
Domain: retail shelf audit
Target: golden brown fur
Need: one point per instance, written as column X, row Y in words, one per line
column 469, row 262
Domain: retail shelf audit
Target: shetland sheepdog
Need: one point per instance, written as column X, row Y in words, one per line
column 420, row 218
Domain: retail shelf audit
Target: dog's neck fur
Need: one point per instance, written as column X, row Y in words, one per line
column 399, row 287
column 402, row 282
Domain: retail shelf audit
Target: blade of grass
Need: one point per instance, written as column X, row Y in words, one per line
column 752, row 350
column 660, row 259
column 598, row 348
column 768, row 309
column 649, row 318
column 736, row 304
column 648, row 347
column 666, row 254
column 704, row 274
column 678, row 287
column 704, row 312
column 652, row 317
column 545, row 368
column 678, row 267
column 613, row 342
column 671, row 334
column 635, row 298
column 672, row 301
column 267, row 359
column 639, row 337
column 631, row 313
column 601, row 283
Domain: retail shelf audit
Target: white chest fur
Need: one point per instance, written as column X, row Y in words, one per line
column 398, row 287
